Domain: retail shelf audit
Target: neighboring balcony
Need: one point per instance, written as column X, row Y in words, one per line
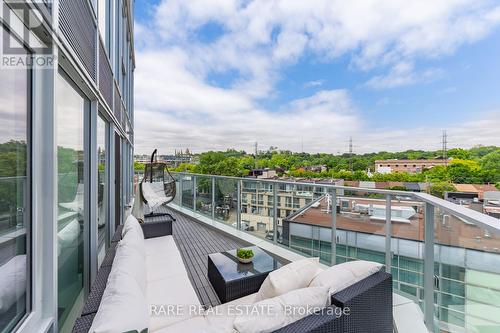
column 443, row 257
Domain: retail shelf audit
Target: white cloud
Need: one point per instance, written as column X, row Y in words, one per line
column 483, row 130
column 177, row 106
column 178, row 110
column 314, row 83
column 403, row 74
column 261, row 36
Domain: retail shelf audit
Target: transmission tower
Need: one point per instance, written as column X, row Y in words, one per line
column 256, row 154
column 445, row 146
column 350, row 153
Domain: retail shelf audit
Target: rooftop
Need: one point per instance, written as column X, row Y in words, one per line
column 453, row 231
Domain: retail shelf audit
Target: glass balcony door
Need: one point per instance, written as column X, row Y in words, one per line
column 102, row 189
column 71, row 108
column 15, row 192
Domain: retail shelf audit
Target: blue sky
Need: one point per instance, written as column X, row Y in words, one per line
column 224, row 74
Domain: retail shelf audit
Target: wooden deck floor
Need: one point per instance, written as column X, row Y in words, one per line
column 195, row 242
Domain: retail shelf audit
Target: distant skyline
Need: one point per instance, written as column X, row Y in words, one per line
column 213, row 75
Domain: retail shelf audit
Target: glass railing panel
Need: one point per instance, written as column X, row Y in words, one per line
column 226, row 201
column 407, row 246
column 177, row 198
column 204, row 195
column 187, row 191
column 306, row 227
column 13, row 193
column 296, row 222
column 257, row 208
column 467, row 274
column 360, row 220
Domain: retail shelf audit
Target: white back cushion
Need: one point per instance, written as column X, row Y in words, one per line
column 130, row 260
column 277, row 312
column 336, row 278
column 361, row 268
column 131, row 223
column 295, row 275
column 134, row 238
column 67, row 237
column 123, row 306
column 12, row 281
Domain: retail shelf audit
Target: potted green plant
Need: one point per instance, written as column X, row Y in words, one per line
column 245, row 256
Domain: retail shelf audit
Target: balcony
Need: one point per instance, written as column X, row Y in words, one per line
column 444, row 258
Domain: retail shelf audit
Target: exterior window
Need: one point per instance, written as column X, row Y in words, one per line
column 14, row 195
column 296, row 203
column 104, row 23
column 72, row 271
column 102, row 192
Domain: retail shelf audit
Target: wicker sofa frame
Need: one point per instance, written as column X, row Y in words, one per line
column 368, row 302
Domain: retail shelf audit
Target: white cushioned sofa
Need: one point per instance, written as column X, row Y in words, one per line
column 143, row 286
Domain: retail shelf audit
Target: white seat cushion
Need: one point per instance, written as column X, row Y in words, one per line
column 274, row 313
column 199, row 324
column 123, row 306
column 295, row 275
column 160, row 245
column 336, row 278
column 154, row 194
column 174, row 291
column 219, row 319
column 162, row 258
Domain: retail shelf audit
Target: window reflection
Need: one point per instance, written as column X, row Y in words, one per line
column 102, row 193
column 70, row 108
column 14, row 195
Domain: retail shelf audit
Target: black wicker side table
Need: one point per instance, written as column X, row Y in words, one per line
column 232, row 279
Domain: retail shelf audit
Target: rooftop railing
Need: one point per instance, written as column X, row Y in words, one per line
column 443, row 256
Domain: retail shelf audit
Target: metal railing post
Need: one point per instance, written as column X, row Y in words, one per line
column 333, row 259
column 429, row 267
column 213, row 198
column 238, row 210
column 275, row 214
column 194, row 193
column 388, row 233
column 181, row 190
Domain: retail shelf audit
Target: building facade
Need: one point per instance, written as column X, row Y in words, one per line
column 467, row 258
column 409, row 166
column 66, row 152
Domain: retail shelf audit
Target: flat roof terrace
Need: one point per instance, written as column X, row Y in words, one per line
column 449, row 230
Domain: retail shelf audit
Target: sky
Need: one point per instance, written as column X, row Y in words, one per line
column 308, row 75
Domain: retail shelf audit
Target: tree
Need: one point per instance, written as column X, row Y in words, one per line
column 491, row 163
column 459, row 153
column 438, row 189
column 139, row 166
column 464, row 172
column 185, row 167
